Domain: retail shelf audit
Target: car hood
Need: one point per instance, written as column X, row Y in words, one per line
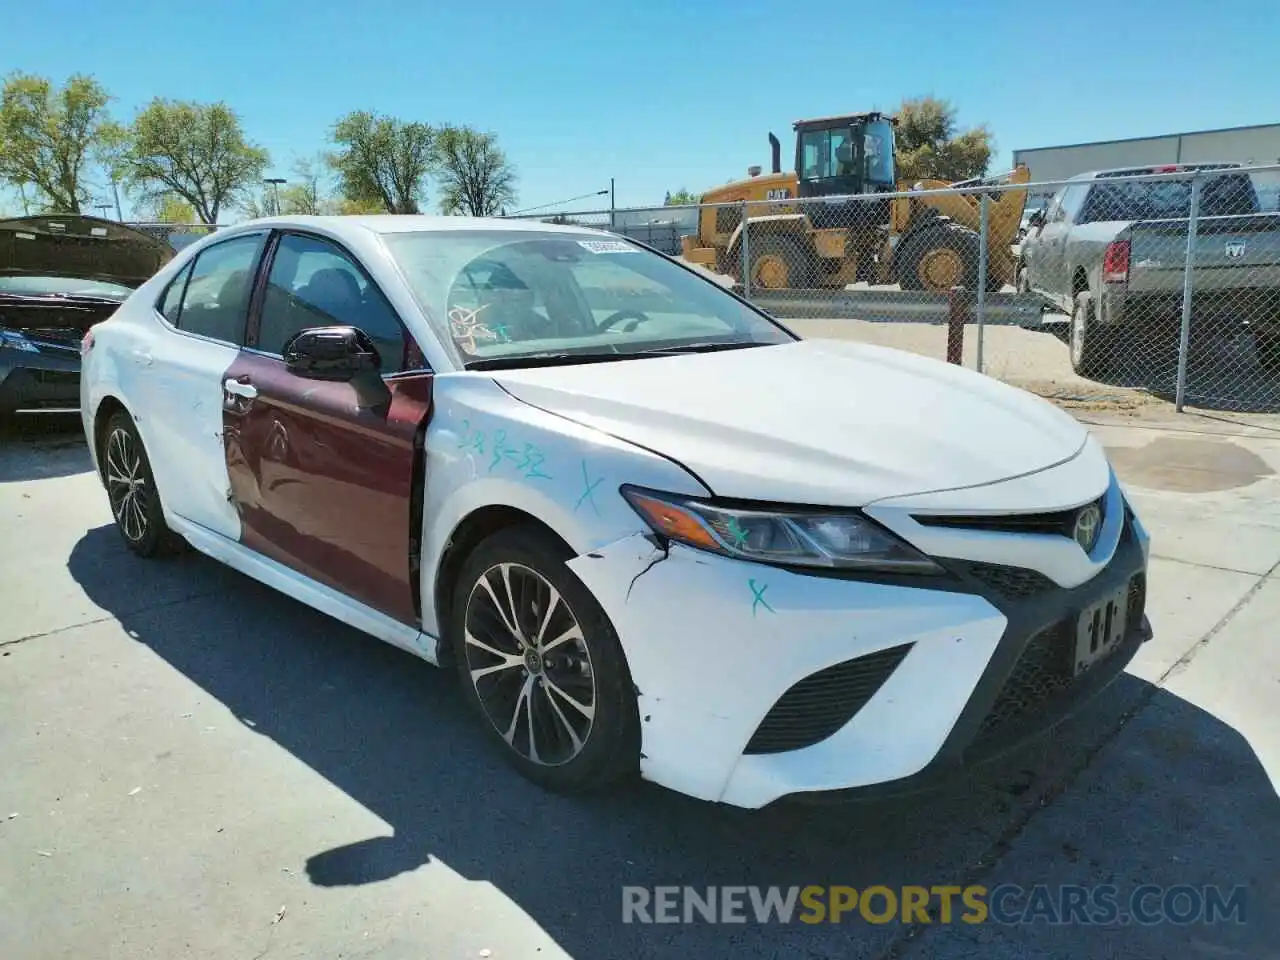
column 61, row 245
column 819, row 422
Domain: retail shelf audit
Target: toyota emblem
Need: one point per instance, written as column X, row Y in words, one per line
column 1088, row 523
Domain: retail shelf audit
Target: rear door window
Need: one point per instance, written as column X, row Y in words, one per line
column 216, row 301
column 171, row 303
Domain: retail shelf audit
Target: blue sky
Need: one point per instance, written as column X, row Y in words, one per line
column 662, row 94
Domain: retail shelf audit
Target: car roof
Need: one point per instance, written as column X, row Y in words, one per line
column 389, row 223
column 1150, row 168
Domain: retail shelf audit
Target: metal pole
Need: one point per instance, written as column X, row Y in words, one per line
column 115, row 192
column 613, row 206
column 985, row 205
column 1188, row 288
column 746, row 256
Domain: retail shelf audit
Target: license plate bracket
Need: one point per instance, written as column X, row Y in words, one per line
column 1100, row 628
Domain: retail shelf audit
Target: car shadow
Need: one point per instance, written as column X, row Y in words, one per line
column 392, row 734
column 42, row 446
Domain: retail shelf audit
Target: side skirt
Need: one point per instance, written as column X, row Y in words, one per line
column 308, row 591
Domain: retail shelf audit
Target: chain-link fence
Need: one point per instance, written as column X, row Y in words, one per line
column 1162, row 282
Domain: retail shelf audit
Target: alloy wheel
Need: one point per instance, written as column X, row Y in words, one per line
column 529, row 664
column 128, row 488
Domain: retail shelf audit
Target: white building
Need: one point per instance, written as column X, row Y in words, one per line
column 1252, row 145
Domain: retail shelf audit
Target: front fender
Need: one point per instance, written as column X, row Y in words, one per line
column 789, row 223
column 485, row 448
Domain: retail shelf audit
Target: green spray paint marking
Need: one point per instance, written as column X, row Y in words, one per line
column 500, row 449
column 469, row 440
column 533, row 460
column 588, row 485
column 759, row 601
column 737, row 533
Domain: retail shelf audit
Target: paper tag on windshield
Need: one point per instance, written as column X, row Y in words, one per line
column 607, row 246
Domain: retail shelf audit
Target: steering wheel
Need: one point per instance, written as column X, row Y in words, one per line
column 636, row 317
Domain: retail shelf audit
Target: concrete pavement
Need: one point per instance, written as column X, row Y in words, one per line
column 196, row 766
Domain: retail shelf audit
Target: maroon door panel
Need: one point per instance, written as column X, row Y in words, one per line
column 322, row 475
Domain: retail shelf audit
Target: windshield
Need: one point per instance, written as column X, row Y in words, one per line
column 70, row 286
column 826, row 153
column 879, row 152
column 510, row 294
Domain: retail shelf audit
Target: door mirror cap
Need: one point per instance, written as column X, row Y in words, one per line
column 1036, row 220
column 331, row 353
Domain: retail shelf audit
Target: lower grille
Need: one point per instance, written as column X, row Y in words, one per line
column 1013, row 583
column 60, row 377
column 1044, row 669
column 817, row 706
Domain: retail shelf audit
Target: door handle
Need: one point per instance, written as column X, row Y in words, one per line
column 240, row 389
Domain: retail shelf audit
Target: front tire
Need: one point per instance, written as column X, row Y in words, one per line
column 781, row 263
column 131, row 489
column 938, row 258
column 540, row 662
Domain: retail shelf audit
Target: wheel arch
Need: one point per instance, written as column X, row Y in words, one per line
column 794, row 225
column 107, row 408
column 1079, row 281
column 466, row 535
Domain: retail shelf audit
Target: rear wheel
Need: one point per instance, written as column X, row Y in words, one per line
column 1023, row 284
column 540, row 662
column 131, row 489
column 1093, row 347
column 939, row 258
column 780, row 263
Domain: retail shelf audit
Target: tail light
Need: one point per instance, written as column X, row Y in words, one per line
column 1115, row 262
column 86, row 342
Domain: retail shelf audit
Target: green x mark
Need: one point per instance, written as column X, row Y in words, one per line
column 737, row 533
column 588, row 485
column 759, row 601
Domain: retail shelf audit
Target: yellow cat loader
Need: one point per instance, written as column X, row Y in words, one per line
column 928, row 242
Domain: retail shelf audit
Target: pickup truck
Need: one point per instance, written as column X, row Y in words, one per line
column 1111, row 252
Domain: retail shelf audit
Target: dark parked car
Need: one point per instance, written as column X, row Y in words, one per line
column 59, row 275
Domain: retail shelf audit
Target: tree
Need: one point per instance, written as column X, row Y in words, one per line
column 929, row 147
column 305, row 194
column 49, row 136
column 681, row 197
column 171, row 208
column 382, row 160
column 195, row 150
column 476, row 179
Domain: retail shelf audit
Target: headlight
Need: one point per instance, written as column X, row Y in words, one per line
column 16, row 341
column 792, row 538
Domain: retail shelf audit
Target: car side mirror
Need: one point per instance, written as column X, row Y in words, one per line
column 331, row 353
column 1037, row 220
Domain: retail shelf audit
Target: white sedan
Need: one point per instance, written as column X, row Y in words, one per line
column 652, row 529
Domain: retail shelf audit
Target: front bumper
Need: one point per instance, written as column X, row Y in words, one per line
column 48, row 379
column 755, row 683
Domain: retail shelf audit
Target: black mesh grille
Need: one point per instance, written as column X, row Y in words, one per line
column 1047, row 667
column 820, row 704
column 1013, row 583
